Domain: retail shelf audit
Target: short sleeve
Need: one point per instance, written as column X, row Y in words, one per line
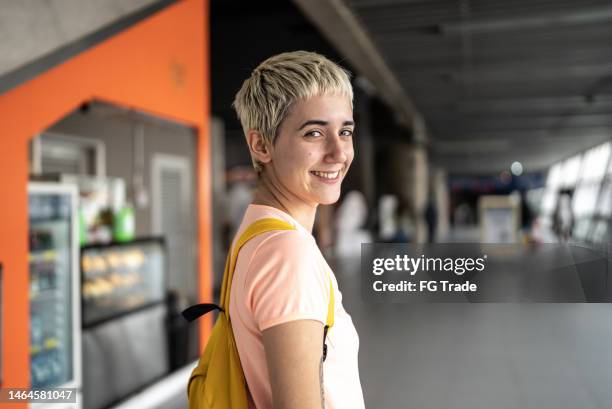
column 285, row 281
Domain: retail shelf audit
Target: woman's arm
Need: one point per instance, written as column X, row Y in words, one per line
column 294, row 353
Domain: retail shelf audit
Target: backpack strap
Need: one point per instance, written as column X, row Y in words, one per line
column 196, row 311
column 258, row 227
column 330, row 315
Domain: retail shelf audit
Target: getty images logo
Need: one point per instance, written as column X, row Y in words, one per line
column 412, row 265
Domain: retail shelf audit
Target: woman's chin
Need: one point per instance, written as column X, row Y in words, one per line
column 329, row 199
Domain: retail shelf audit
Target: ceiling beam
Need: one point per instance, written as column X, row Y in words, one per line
column 568, row 18
column 339, row 25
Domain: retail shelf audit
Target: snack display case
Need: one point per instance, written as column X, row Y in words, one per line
column 119, row 278
column 55, row 337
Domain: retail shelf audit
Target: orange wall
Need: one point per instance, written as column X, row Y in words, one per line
column 158, row 66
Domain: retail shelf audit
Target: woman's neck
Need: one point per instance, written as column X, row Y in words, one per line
column 268, row 195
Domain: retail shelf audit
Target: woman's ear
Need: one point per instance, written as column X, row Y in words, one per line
column 258, row 147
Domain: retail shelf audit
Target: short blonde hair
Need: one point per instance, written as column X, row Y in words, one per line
column 265, row 98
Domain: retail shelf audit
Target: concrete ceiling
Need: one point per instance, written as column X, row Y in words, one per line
column 31, row 29
column 500, row 80
column 495, row 81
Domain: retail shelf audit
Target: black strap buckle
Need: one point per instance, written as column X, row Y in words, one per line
column 196, row 311
column 324, row 344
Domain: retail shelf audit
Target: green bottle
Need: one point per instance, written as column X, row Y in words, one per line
column 82, row 228
column 123, row 224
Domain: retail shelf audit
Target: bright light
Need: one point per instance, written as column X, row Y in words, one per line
column 516, row 168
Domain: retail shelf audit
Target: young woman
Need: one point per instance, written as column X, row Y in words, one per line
column 296, row 112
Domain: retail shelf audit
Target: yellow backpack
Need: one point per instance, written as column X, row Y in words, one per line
column 218, row 381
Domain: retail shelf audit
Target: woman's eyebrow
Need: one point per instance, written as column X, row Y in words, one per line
column 313, row 122
column 321, row 122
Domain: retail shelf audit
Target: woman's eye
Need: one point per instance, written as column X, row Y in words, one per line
column 346, row 132
column 313, row 134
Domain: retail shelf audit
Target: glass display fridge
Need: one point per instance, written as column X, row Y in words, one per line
column 119, row 278
column 55, row 334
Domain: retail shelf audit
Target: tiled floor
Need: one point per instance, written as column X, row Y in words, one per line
column 168, row 393
column 489, row 356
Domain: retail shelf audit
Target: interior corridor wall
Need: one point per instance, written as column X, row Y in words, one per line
column 159, row 66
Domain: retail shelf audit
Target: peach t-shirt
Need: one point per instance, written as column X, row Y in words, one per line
column 281, row 276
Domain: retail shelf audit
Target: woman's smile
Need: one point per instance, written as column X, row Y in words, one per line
column 327, row 177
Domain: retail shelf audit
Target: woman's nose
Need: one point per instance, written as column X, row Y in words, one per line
column 337, row 149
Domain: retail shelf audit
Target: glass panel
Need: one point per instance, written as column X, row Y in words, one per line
column 600, row 232
column 554, row 176
column 571, row 171
column 581, row 229
column 585, row 199
column 119, row 278
column 595, row 163
column 605, row 200
column 50, row 289
column 549, row 201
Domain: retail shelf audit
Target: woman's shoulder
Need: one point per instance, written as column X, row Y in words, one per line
column 280, row 250
column 292, row 243
column 284, row 281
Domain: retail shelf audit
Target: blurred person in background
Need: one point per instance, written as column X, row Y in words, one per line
column 387, row 220
column 464, row 215
column 351, row 218
column 431, row 217
column 563, row 219
column 297, row 115
column 406, row 227
column 529, row 224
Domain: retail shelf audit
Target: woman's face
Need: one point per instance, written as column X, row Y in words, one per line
column 313, row 150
